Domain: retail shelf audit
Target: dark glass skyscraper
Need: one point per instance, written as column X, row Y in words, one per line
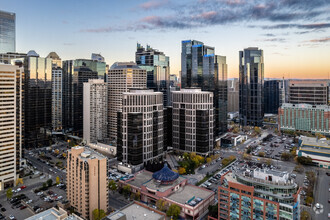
column 7, row 32
column 201, row 68
column 251, row 87
column 221, row 94
column 273, row 95
column 157, row 66
column 37, row 101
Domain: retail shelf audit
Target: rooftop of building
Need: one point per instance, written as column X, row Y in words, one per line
column 141, row 91
column 311, row 142
column 53, row 214
column 305, row 106
column 230, row 136
column 189, row 193
column 136, row 211
column 192, row 90
column 124, row 65
column 88, row 153
column 308, row 83
column 145, row 178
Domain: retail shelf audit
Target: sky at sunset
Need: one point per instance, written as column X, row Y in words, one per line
column 294, row 34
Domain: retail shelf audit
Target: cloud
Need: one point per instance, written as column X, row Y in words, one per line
column 274, row 40
column 322, row 40
column 153, row 4
column 269, row 35
column 289, row 25
column 189, row 14
column 68, row 44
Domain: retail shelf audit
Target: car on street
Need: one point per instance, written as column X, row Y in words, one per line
column 3, row 209
column 317, row 205
column 11, row 217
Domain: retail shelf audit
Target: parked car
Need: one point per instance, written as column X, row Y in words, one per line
column 317, row 205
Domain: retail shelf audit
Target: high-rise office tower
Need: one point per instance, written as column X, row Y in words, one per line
column 56, row 99
column 56, row 60
column 157, row 66
column 141, row 137
column 37, row 105
column 251, row 83
column 220, row 94
column 87, row 182
column 233, row 95
column 7, row 32
column 71, row 70
column 10, row 123
column 8, row 57
column 201, row 68
column 81, row 75
column 193, row 119
column 57, row 91
column 122, row 77
column 313, row 92
column 273, row 95
column 95, row 111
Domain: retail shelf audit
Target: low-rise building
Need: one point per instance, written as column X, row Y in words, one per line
column 232, row 140
column 54, row 214
column 258, row 194
column 317, row 149
column 304, row 117
column 137, row 211
column 173, row 189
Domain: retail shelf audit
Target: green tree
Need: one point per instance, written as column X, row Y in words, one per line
column 9, row 193
column 293, row 152
column 309, row 200
column 257, row 130
column 304, row 215
column 174, row 211
column 213, row 210
column 261, row 154
column 182, row 170
column 286, row 156
column 127, row 190
column 208, row 160
column 137, row 195
column 44, row 186
column 98, row 214
column 247, row 156
column 269, row 161
column 49, row 182
column 113, row 186
column 57, row 180
column 160, row 204
column 304, row 160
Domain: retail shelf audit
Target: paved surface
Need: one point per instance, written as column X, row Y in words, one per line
column 117, row 201
column 322, row 193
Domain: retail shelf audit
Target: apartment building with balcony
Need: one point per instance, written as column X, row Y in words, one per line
column 87, row 182
column 258, row 194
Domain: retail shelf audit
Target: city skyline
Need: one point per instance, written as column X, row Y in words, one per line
column 293, row 34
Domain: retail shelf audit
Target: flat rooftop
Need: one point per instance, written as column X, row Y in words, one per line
column 145, row 178
column 313, row 142
column 188, row 192
column 53, row 214
column 136, row 212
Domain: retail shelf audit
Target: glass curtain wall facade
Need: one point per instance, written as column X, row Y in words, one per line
column 157, row 66
column 201, row 68
column 37, row 107
column 221, row 94
column 272, row 96
column 251, row 91
column 7, row 32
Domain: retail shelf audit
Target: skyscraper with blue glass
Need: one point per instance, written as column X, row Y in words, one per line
column 251, row 87
column 201, row 68
column 7, row 32
column 157, row 65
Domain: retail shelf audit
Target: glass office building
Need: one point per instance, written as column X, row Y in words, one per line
column 157, row 66
column 7, row 32
column 251, row 87
column 201, row 68
column 273, row 96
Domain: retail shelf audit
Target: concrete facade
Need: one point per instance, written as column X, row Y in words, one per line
column 87, row 182
column 95, row 111
column 8, row 123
